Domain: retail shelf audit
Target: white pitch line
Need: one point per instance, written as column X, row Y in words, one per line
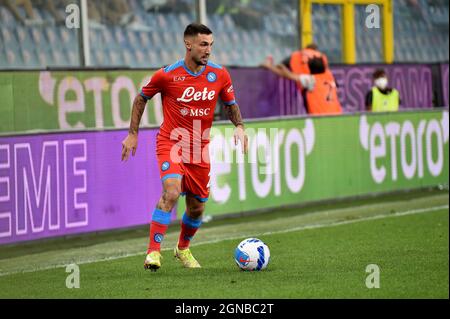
column 313, row 226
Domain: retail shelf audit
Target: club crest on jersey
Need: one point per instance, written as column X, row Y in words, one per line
column 212, row 77
column 184, row 111
column 165, row 166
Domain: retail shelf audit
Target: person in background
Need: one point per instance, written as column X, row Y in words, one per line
column 309, row 68
column 382, row 98
column 13, row 5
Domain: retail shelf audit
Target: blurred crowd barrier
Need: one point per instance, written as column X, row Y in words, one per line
column 77, row 100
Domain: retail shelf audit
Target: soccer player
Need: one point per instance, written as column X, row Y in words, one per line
column 189, row 90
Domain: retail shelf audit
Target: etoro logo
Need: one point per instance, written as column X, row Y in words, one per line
column 277, row 160
column 401, row 147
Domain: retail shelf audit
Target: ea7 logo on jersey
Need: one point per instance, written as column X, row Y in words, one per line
column 230, row 89
column 191, row 95
column 179, row 78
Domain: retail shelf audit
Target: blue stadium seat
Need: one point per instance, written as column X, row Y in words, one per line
column 6, row 18
column 108, row 39
column 150, row 20
column 52, row 36
column 29, row 57
column 42, row 57
column 141, row 60
column 72, row 57
column 58, row 57
column 69, row 38
column 3, row 63
column 174, row 23
column 185, row 19
column 228, row 22
column 162, row 22
column 8, row 37
column 95, row 38
column 23, row 37
column 115, row 58
column 133, row 39
column 169, row 39
column 118, row 35
column 143, row 38
column 37, row 37
column 100, row 57
column 155, row 39
column 13, row 57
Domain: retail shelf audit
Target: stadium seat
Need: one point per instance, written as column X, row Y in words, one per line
column 52, row 36
column 99, row 57
column 185, row 19
column 120, row 40
column 108, row 39
column 155, row 39
column 42, row 58
column 72, row 58
column 58, row 58
column 37, row 37
column 69, row 38
column 228, row 22
column 8, row 37
column 162, row 22
column 6, row 18
column 115, row 58
column 133, row 39
column 143, row 39
column 13, row 57
column 29, row 57
column 23, row 37
column 3, row 63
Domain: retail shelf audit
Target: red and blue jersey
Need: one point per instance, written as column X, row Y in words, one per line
column 188, row 96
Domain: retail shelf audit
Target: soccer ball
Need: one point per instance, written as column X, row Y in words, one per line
column 252, row 254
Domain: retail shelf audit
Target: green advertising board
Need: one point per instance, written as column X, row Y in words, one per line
column 61, row 100
column 311, row 159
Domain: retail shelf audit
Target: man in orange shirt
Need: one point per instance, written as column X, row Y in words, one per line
column 309, row 68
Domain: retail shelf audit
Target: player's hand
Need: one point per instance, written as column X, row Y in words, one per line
column 129, row 144
column 239, row 135
column 268, row 63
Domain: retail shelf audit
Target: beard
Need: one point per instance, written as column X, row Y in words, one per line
column 200, row 62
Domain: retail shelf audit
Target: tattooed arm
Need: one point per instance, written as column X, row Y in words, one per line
column 130, row 142
column 136, row 114
column 234, row 114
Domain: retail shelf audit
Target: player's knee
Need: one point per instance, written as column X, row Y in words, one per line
column 171, row 195
column 196, row 211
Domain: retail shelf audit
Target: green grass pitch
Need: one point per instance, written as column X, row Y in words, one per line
column 316, row 252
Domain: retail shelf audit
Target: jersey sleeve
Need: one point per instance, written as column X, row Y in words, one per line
column 154, row 86
column 227, row 92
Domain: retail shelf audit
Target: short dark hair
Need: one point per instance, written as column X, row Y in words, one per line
column 312, row 46
column 196, row 28
column 378, row 73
